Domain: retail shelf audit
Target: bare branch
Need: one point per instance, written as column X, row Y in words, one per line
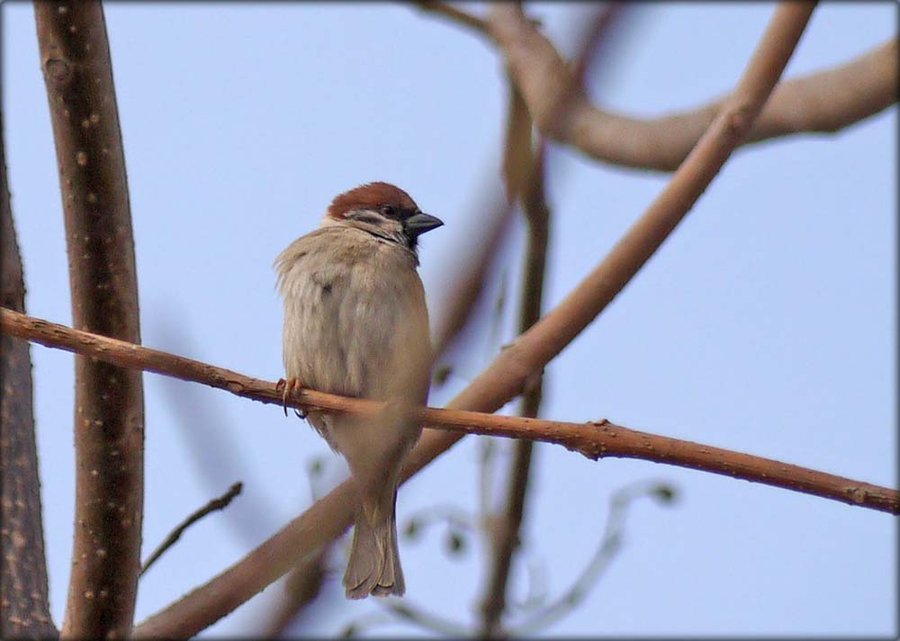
column 214, row 505
column 109, row 402
column 23, row 564
column 824, row 102
column 594, row 439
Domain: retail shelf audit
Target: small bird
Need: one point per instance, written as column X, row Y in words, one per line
column 356, row 324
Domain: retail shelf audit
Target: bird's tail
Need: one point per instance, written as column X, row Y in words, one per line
column 374, row 564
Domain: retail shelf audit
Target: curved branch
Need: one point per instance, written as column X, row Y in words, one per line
column 822, row 102
column 596, row 439
column 109, row 402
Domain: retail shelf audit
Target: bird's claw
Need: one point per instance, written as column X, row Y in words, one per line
column 287, row 387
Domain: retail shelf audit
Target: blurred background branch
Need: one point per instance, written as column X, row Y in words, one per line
column 610, row 544
column 822, row 102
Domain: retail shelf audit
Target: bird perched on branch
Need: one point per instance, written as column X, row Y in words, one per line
column 356, row 324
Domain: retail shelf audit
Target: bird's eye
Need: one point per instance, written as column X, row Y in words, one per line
column 389, row 211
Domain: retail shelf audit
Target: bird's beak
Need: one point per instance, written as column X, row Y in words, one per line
column 419, row 223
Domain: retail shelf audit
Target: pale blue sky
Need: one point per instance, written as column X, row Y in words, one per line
column 765, row 324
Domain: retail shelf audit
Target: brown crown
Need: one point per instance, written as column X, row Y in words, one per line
column 371, row 196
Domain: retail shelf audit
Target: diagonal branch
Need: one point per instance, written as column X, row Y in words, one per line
column 823, row 102
column 109, row 401
column 596, row 439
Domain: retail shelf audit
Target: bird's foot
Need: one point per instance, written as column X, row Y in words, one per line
column 287, row 386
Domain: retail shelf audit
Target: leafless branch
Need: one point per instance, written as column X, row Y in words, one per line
column 406, row 610
column 594, row 440
column 23, row 564
column 823, row 102
column 109, row 405
column 214, row 505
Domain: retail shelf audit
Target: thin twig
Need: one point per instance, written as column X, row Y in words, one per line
column 416, row 614
column 214, row 505
column 109, row 402
column 610, row 544
column 594, row 440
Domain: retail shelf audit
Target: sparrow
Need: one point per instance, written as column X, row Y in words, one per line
column 356, row 324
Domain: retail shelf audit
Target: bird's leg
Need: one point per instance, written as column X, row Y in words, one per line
column 287, row 387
